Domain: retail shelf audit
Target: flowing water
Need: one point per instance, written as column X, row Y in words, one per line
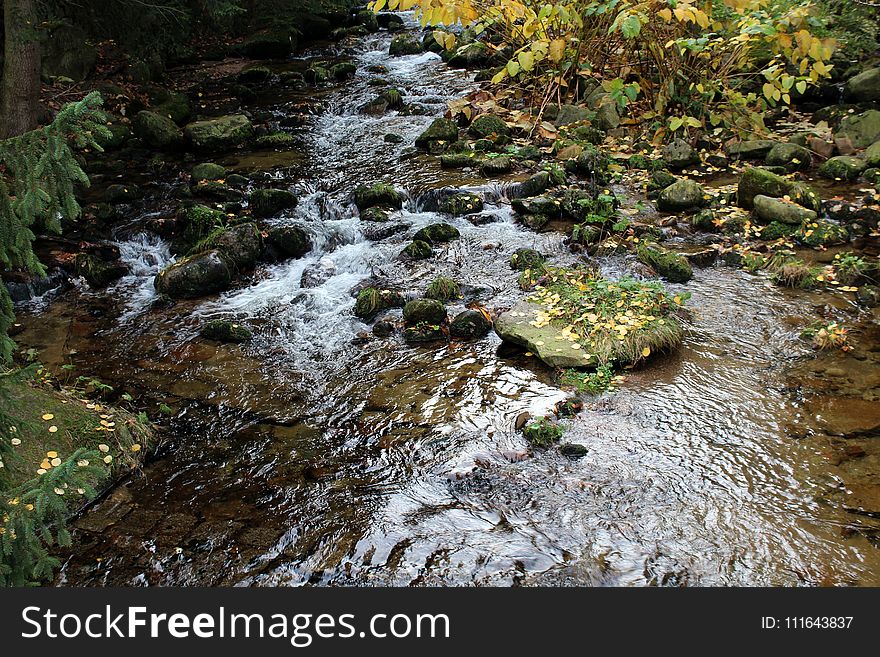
column 317, row 454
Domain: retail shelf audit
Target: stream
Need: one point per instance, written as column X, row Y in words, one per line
column 318, row 454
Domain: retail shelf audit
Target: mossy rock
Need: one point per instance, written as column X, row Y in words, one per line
column 269, row 202
column 471, row 55
column 770, row 209
column 376, row 213
column 195, row 276
column 417, row 250
column 777, row 230
column 672, row 266
column 753, row 149
column 99, row 273
column 843, row 167
column 789, row 156
column 496, row 165
column 240, row 245
column 660, row 180
column 679, row 154
column 681, row 195
column 872, row 155
column 207, row 171
column 316, row 74
column 460, row 160
column 220, row 134
column 544, row 205
column 861, row 129
column 424, row 311
column 443, row 289
column 437, row 233
column 157, row 131
column 757, row 181
column 404, row 44
column 275, row 140
column 469, row 325
column 382, row 194
column 371, row 301
column 423, row 332
column 289, row 241
column 523, row 259
column 116, row 194
column 393, row 98
column 214, row 189
column 705, row 221
column 254, row 75
column 224, row 331
column 461, row 204
column 198, row 223
column 488, row 125
column 440, row 130
column 821, row 233
column 343, row 70
column 542, row 433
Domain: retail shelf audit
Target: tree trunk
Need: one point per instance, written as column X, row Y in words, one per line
column 20, row 85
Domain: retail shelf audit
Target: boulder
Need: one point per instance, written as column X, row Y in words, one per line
column 343, row 70
column 864, row 87
column 544, row 205
column 771, row 209
column 220, row 134
column 371, row 301
column 546, row 342
column 757, row 181
column 862, row 130
column 221, row 330
column 267, row 202
column 157, row 131
column 681, row 195
column 469, row 324
column 536, row 184
column 872, row 155
column 496, row 165
column 240, row 245
column 790, row 156
column 99, row 273
column 424, row 311
column 679, row 154
column 289, row 241
column 843, row 167
column 195, row 276
column 417, row 250
column 471, row 55
column 440, row 130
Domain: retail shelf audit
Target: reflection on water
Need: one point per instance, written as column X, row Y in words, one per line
column 318, row 455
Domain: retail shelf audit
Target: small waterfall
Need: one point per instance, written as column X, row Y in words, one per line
column 145, row 254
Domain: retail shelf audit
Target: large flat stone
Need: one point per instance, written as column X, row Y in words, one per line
column 546, row 342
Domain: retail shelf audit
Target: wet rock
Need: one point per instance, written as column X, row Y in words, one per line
column 523, row 259
column 417, row 250
column 278, row 139
column 404, row 44
column 471, row 55
column 681, row 195
column 679, row 154
column 116, row 194
column 423, row 333
column 393, row 98
column 393, row 138
column 381, row 194
column 753, row 149
column 368, row 19
column 777, row 230
column 461, row 204
column 224, row 331
column 496, row 165
column 843, row 167
column 437, row 233
column 371, row 301
column 756, row 181
column 214, row 189
column 459, row 160
column 386, row 19
column 384, row 329
column 343, row 70
column 861, row 129
column 424, row 311
column 99, row 273
column 546, row 342
column 318, row 274
column 289, row 241
column 535, row 185
column 488, row 125
column 846, row 416
column 573, row 450
column 469, row 325
column 376, row 213
column 220, row 134
column 207, row 171
column 267, row 45
column 544, row 205
column 374, row 107
column 542, row 433
column 770, row 209
column 240, row 245
column 672, row 266
column 268, row 202
column 316, row 74
column 195, row 276
column 868, row 295
column 441, row 130
column 864, row 87
column 790, row 156
column 157, row 131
